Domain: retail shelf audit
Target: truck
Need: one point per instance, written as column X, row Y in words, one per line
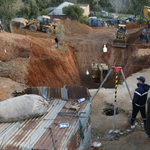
column 147, row 15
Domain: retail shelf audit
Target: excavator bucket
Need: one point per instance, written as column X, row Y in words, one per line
column 119, row 43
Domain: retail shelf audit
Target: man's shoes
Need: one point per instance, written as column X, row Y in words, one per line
column 148, row 137
column 144, row 125
column 131, row 121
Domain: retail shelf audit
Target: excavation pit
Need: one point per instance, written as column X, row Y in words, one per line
column 109, row 111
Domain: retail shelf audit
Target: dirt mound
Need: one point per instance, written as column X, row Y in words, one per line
column 25, row 31
column 36, row 61
column 53, row 68
column 7, row 86
column 74, row 27
column 134, row 25
column 142, row 52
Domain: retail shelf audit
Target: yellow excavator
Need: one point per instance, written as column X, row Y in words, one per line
column 147, row 15
column 120, row 37
column 43, row 24
column 99, row 71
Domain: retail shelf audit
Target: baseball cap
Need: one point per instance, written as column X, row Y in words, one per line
column 141, row 78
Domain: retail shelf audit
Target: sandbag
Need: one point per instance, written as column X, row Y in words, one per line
column 22, row 107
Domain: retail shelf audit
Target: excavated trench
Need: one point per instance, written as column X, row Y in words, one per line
column 130, row 59
column 50, row 67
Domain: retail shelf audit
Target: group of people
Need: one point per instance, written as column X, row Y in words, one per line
column 144, row 37
column 139, row 104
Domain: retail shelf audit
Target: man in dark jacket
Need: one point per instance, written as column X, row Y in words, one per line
column 56, row 40
column 139, row 100
column 148, row 119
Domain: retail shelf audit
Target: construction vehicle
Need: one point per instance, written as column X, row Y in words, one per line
column 43, row 24
column 120, row 37
column 99, row 71
column 147, row 15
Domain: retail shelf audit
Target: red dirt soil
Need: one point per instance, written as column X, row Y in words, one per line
column 52, row 67
column 85, row 47
column 134, row 25
column 37, row 62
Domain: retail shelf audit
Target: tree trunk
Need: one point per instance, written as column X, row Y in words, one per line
column 10, row 26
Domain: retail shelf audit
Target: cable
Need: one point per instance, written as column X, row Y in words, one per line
column 100, row 41
column 54, row 56
column 107, row 42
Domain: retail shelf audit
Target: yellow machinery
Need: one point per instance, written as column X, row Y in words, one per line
column 44, row 24
column 147, row 15
column 120, row 37
column 99, row 71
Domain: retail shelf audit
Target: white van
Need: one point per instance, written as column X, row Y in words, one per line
column 104, row 13
column 114, row 16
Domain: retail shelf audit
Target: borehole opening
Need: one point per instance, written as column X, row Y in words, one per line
column 109, row 111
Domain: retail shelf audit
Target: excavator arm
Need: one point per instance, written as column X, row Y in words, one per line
column 147, row 15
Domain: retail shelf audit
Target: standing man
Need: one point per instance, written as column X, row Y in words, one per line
column 148, row 119
column 56, row 40
column 139, row 100
column 1, row 26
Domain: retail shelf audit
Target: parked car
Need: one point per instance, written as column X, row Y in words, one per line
column 114, row 16
column 104, row 13
column 93, row 17
column 132, row 18
column 96, row 22
column 112, row 22
column 124, row 20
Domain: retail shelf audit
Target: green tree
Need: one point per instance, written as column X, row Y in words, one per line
column 26, row 1
column 116, row 5
column 44, row 12
column 74, row 12
column 137, row 6
column 7, row 12
column 42, row 4
column 55, row 3
column 104, row 3
column 97, row 8
column 60, row 32
column 127, row 7
column 84, row 20
column 29, row 9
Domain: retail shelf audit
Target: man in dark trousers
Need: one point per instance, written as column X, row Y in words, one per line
column 139, row 100
column 148, row 119
column 1, row 26
column 56, row 40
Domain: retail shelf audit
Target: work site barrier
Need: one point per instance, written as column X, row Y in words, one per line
column 68, row 92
